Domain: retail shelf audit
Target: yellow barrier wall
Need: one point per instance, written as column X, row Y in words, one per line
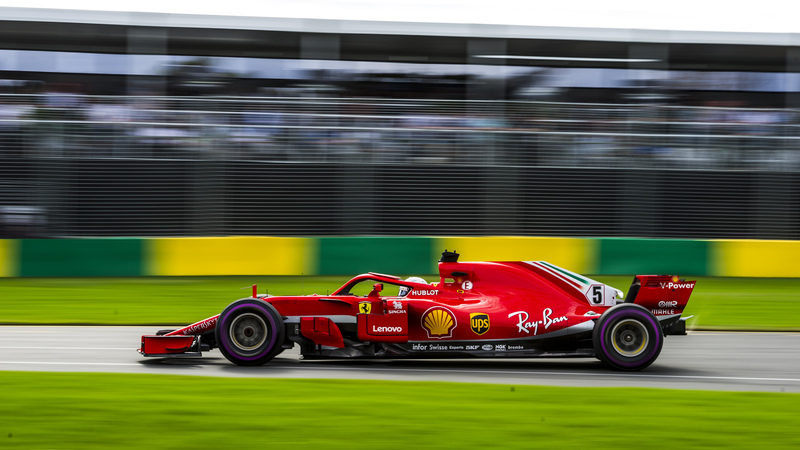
column 231, row 256
column 293, row 256
column 8, row 258
column 577, row 255
column 751, row 258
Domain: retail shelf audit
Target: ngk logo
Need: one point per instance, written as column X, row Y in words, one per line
column 663, row 304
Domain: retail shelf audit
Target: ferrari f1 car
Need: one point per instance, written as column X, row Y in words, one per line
column 476, row 309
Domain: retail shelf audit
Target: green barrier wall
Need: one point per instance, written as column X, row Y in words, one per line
column 653, row 256
column 393, row 255
column 80, row 257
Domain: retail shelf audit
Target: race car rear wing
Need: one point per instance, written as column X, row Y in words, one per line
column 664, row 295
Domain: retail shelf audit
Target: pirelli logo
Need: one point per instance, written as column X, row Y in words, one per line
column 479, row 323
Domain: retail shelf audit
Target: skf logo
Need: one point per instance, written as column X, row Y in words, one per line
column 479, row 322
column 365, row 307
column 439, row 322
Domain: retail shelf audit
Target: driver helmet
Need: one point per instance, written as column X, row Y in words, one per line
column 404, row 290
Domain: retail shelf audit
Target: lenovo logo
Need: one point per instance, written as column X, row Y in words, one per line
column 387, row 329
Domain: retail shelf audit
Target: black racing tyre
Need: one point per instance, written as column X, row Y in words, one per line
column 628, row 337
column 250, row 332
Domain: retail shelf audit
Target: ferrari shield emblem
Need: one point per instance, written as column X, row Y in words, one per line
column 365, row 307
column 479, row 322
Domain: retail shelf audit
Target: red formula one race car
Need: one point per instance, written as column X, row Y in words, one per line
column 476, row 309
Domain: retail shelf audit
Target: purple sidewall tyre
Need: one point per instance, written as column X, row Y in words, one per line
column 628, row 337
column 250, row 332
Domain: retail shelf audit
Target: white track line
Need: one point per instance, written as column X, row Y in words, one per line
column 575, row 374
column 69, row 348
column 67, row 363
column 614, row 375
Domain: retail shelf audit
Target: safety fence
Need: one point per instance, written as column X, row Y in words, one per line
column 95, row 166
column 118, row 198
column 213, row 256
column 379, row 131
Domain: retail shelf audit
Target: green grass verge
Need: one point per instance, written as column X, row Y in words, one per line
column 738, row 303
column 76, row 410
column 139, row 300
column 717, row 303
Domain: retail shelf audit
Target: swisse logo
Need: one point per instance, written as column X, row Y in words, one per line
column 672, row 285
column 387, row 329
column 664, row 304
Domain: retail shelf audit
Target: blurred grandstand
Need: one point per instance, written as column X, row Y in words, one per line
column 118, row 126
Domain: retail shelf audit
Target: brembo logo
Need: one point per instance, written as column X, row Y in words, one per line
column 672, row 285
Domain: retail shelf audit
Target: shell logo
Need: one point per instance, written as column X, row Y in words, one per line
column 439, row 322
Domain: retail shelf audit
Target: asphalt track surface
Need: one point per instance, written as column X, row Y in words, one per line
column 767, row 362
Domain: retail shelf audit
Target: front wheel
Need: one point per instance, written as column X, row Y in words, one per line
column 250, row 332
column 627, row 337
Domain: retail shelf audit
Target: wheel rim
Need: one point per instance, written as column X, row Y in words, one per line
column 629, row 337
column 248, row 332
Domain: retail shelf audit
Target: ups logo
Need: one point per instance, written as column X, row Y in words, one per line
column 479, row 322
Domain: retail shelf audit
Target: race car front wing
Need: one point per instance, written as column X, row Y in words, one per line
column 171, row 346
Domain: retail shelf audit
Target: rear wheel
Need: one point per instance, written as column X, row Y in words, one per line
column 627, row 337
column 250, row 332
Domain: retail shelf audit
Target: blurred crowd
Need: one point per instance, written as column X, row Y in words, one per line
column 320, row 129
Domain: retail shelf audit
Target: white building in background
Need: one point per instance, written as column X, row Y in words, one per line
column 445, row 49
